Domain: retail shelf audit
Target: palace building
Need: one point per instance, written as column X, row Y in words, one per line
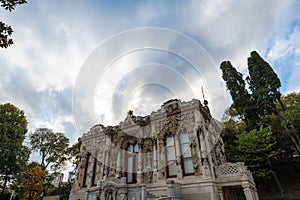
column 175, row 152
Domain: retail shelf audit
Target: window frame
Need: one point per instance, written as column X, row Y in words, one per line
column 167, row 159
column 84, row 181
column 94, row 172
column 181, row 154
column 132, row 155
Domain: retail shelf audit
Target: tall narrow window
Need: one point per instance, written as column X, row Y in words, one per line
column 171, row 157
column 95, row 172
column 131, row 163
column 187, row 161
column 87, row 172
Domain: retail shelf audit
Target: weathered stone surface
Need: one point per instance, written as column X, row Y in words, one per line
column 175, row 152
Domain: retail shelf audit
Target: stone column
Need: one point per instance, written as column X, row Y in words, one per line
column 140, row 164
column 202, row 145
column 178, row 158
column 107, row 157
column 220, row 191
column 143, row 192
column 162, row 159
column 170, row 188
column 100, row 165
column 103, row 164
column 86, row 196
column 249, row 193
column 155, row 171
column 119, row 163
column 198, row 145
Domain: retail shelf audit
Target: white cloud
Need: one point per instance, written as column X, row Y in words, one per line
column 231, row 29
column 286, row 46
column 52, row 41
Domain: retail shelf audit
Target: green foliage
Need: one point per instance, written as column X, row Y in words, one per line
column 73, row 153
column 63, row 190
column 291, row 115
column 51, row 147
column 6, row 30
column 231, row 127
column 13, row 155
column 264, row 84
column 259, row 106
column 242, row 101
column 256, row 149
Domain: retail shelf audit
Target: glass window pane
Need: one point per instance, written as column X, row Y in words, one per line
column 90, row 158
column 186, row 150
column 130, row 148
column 172, row 168
column 188, row 165
column 129, row 169
column 89, row 165
column 130, row 164
column 171, row 153
column 87, row 179
column 96, row 174
column 136, row 148
column 170, row 141
column 184, row 137
column 129, row 177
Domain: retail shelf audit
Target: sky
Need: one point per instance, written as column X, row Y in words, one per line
column 77, row 63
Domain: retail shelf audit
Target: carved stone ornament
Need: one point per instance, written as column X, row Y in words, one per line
column 171, row 126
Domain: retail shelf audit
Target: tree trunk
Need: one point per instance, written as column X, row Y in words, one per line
column 282, row 192
column 4, row 185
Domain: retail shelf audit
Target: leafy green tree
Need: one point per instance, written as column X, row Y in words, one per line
column 51, row 147
column 256, row 147
column 13, row 155
column 6, row 30
column 73, row 153
column 232, row 126
column 291, row 113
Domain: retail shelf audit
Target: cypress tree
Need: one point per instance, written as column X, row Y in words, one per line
column 240, row 96
column 264, row 84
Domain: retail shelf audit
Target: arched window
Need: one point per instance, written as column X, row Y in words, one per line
column 131, row 163
column 187, row 161
column 171, row 156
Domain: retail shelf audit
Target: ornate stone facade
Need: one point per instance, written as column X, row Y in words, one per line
column 174, row 153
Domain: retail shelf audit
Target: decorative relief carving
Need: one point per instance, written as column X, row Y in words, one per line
column 148, row 145
column 171, row 126
column 195, row 156
column 220, row 153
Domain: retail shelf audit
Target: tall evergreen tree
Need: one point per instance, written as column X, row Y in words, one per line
column 240, row 96
column 264, row 84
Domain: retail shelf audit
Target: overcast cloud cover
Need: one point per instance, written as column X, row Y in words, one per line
column 53, row 39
